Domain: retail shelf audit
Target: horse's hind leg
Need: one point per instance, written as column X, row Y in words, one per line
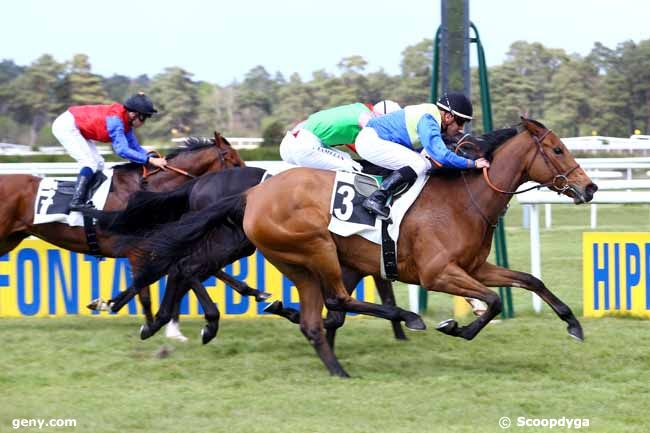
column 336, row 319
column 311, row 321
column 454, row 280
column 241, row 287
column 277, row 308
column 338, row 299
column 210, row 309
column 145, row 300
column 496, row 276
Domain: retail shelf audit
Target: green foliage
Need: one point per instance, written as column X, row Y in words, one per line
column 176, row 99
column 272, row 131
column 606, row 92
column 264, row 153
column 80, row 86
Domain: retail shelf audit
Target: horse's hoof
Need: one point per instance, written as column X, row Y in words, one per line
column 145, row 332
column 262, row 296
column 414, row 322
column 447, row 327
column 274, row 307
column 576, row 333
column 98, row 305
column 207, row 334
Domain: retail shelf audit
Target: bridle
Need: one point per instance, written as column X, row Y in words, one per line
column 559, row 181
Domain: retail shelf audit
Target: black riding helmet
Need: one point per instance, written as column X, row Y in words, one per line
column 140, row 103
column 457, row 104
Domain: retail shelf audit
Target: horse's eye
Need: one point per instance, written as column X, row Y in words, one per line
column 557, row 150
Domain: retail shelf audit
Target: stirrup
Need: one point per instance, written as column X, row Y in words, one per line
column 375, row 207
column 81, row 206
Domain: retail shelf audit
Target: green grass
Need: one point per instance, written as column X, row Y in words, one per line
column 262, row 376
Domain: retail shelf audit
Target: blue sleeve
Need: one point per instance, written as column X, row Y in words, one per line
column 133, row 142
column 429, row 133
column 121, row 142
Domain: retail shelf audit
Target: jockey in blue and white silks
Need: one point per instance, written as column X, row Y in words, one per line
column 389, row 141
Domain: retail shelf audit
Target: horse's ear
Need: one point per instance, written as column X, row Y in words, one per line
column 219, row 140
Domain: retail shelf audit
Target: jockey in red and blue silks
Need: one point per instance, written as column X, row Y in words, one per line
column 81, row 125
column 388, row 141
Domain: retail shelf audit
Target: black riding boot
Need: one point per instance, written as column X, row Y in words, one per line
column 376, row 202
column 79, row 199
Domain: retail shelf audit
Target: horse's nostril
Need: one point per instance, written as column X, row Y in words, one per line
column 590, row 190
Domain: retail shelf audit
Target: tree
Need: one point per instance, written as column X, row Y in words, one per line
column 256, row 97
column 117, row 87
column 80, row 86
column 36, row 94
column 567, row 103
column 176, row 98
column 415, row 86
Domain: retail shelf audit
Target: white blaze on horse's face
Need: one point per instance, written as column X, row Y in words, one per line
column 555, row 167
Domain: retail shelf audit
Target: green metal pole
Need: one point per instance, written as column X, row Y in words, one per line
column 501, row 250
column 435, row 67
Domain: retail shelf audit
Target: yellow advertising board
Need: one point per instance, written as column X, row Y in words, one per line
column 38, row 279
column 616, row 274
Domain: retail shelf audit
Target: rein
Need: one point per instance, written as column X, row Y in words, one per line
column 146, row 172
column 558, row 181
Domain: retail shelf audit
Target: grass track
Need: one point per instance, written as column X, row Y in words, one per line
column 261, row 376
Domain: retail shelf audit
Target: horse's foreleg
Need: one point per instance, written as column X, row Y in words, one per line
column 387, row 295
column 496, row 276
column 164, row 314
column 455, row 281
column 241, row 287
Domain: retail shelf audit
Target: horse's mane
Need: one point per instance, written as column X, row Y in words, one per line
column 189, row 145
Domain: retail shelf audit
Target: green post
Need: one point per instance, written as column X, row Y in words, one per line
column 501, row 250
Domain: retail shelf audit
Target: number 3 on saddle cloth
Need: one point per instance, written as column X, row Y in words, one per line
column 350, row 218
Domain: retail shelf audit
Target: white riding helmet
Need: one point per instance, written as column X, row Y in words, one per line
column 386, row 106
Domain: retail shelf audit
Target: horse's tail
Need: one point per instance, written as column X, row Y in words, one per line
column 170, row 242
column 145, row 210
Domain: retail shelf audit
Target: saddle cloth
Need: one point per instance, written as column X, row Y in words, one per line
column 350, row 218
column 53, row 200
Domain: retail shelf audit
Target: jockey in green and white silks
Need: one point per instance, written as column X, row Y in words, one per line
column 389, row 141
column 311, row 143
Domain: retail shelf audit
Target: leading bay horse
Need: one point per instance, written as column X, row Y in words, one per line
column 18, row 192
column 445, row 237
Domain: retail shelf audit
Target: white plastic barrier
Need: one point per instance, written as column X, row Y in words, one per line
column 620, row 192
